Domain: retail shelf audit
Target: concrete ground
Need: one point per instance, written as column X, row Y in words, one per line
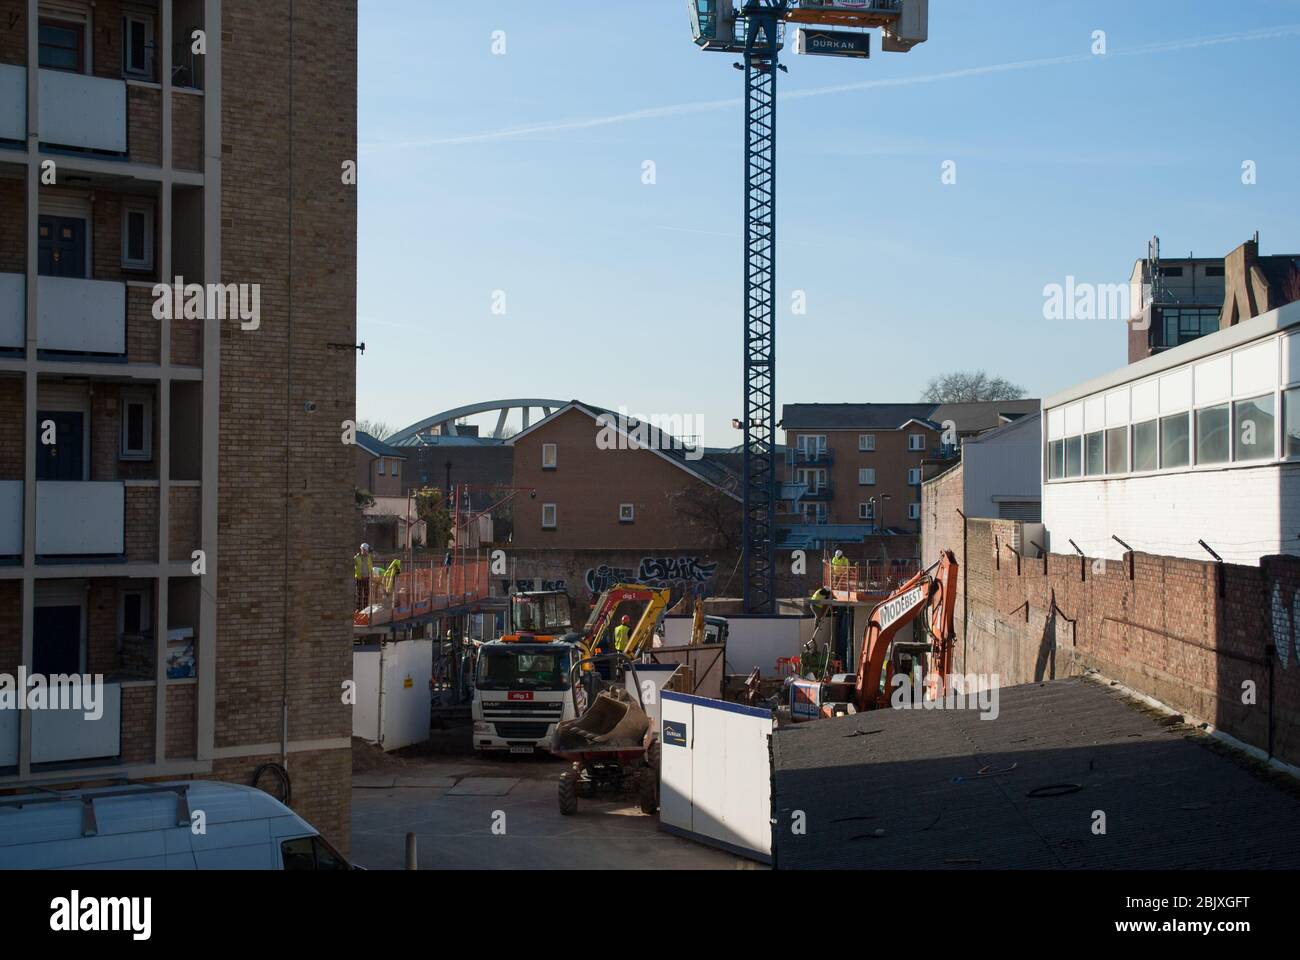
column 500, row 813
column 1030, row 789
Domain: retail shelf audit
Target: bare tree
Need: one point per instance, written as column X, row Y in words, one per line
column 966, row 386
column 376, row 428
column 710, row 511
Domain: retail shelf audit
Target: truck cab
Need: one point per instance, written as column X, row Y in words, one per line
column 521, row 691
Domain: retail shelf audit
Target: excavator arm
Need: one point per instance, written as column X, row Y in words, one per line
column 932, row 591
column 603, row 614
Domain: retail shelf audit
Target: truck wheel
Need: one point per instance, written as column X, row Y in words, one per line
column 653, row 755
column 568, row 795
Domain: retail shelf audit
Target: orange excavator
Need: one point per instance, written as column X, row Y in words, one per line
column 932, row 592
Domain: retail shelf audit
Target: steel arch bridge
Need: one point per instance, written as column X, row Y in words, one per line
column 446, row 421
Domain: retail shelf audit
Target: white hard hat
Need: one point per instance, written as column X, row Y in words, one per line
column 365, row 547
column 839, row 553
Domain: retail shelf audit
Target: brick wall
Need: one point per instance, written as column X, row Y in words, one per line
column 187, row 342
column 185, row 522
column 11, row 638
column 107, row 44
column 284, row 581
column 13, row 217
column 137, row 724
column 12, row 439
column 1167, row 629
column 107, row 246
column 142, row 330
column 13, row 31
column 187, row 130
column 141, row 524
column 143, row 124
column 587, row 487
column 106, row 461
column 181, row 719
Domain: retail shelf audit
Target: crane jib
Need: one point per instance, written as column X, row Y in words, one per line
column 899, row 606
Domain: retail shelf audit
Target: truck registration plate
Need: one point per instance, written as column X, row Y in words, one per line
column 521, row 749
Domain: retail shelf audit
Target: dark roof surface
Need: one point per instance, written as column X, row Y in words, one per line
column 377, row 447
column 969, row 417
column 1171, row 800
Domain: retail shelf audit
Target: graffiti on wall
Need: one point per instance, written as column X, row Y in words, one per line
column 528, row 586
column 660, row 572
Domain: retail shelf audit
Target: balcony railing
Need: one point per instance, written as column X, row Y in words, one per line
column 62, row 735
column 80, row 519
column 78, row 112
column 824, row 492
column 801, row 457
column 82, row 316
column 422, row 591
column 11, row 519
column 849, row 581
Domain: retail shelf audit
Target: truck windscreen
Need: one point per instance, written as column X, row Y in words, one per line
column 523, row 669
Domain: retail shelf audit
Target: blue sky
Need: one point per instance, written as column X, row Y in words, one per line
column 626, row 294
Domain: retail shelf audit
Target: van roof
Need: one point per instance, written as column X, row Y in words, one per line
column 42, row 816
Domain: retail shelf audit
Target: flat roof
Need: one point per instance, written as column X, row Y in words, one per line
column 1255, row 328
column 950, row 791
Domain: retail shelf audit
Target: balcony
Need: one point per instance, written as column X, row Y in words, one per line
column 82, row 316
column 820, row 494
column 801, row 457
column 59, row 736
column 11, row 520
column 78, row 112
column 80, row 519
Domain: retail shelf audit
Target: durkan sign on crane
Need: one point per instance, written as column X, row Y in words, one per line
column 755, row 29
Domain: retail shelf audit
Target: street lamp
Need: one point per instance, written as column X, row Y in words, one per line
column 878, row 504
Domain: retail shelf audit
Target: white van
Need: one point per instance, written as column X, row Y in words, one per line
column 153, row 826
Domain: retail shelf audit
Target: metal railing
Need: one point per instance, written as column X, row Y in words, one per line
column 425, row 589
column 870, row 576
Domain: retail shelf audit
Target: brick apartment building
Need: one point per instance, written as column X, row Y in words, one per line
column 380, row 468
column 128, row 443
column 649, row 515
column 863, row 463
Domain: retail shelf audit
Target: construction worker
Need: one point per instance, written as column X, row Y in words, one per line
column 623, row 634
column 362, row 568
column 839, row 571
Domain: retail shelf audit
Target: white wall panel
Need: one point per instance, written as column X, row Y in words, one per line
column 1255, row 369
column 1213, row 380
column 1117, row 408
column 1146, row 400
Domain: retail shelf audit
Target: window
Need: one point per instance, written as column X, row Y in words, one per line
column 1213, row 439
column 137, row 236
column 1180, row 325
column 1074, row 457
column 816, row 480
column 867, row 477
column 135, row 612
column 1171, row 271
column 812, row 446
column 866, row 511
column 137, row 46
column 137, row 428
column 1056, row 460
column 548, row 516
column 1094, row 454
column 310, row 853
column 1175, row 441
column 1292, row 422
column 914, row 476
column 393, row 468
column 549, row 456
column 1117, row 450
column 62, row 45
column 1252, row 425
column 1146, row 446
column 626, row 512
column 867, row 442
column 1214, row 271
column 914, row 511
column 916, row 442
column 814, row 513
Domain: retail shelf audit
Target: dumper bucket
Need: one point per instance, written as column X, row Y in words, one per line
column 614, row 719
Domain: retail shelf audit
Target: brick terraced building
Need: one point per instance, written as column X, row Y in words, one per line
column 129, row 443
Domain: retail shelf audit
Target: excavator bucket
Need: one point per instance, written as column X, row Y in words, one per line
column 613, row 719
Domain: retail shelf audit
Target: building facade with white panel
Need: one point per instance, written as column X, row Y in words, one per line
column 1200, row 442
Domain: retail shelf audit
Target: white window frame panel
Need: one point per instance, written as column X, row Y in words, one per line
column 627, row 513
column 914, row 511
column 395, row 468
column 554, row 451
column 866, row 443
column 867, row 476
column 555, row 516
column 150, row 45
column 144, row 399
column 914, row 476
column 866, row 511
column 912, row 443
column 147, row 210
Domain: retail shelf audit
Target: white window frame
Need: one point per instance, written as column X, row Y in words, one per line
column 819, row 445
column 914, row 511
column 866, row 511
column 146, row 209
column 627, row 513
column 554, row 456
column 395, row 467
column 866, row 476
column 144, row 399
column 916, row 443
column 150, row 45
column 913, row 476
column 79, row 13
column 555, row 516
column 866, row 443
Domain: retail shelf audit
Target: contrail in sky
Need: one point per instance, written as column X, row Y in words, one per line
column 705, row 106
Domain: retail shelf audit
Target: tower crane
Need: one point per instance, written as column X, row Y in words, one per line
column 755, row 29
